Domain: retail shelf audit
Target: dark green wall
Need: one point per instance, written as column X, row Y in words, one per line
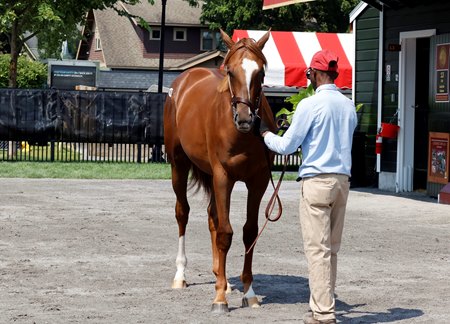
column 420, row 17
column 366, row 86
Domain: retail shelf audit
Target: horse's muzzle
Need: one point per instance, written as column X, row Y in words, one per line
column 243, row 117
column 244, row 124
column 244, row 127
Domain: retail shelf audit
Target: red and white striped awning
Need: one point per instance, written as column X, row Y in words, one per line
column 270, row 4
column 289, row 54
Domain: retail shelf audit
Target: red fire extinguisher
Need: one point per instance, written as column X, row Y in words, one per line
column 378, row 144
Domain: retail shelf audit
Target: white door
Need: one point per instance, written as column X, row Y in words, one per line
column 406, row 111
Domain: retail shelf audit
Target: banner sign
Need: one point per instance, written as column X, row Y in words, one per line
column 270, row 4
column 41, row 116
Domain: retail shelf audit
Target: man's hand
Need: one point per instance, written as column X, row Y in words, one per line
column 263, row 129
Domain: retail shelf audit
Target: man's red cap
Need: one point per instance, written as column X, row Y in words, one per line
column 325, row 60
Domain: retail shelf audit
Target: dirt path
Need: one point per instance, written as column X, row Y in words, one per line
column 79, row 251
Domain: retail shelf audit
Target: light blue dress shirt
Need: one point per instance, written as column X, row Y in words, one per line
column 323, row 125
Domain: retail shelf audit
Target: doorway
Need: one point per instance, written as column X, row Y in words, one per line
column 413, row 110
column 421, row 110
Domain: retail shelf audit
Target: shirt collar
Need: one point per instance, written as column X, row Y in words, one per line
column 328, row 86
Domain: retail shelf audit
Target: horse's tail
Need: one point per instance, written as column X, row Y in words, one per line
column 200, row 179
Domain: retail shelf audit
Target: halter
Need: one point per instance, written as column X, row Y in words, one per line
column 236, row 100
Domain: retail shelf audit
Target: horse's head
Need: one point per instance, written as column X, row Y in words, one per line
column 245, row 65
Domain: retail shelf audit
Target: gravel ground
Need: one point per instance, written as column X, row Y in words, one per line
column 95, row 251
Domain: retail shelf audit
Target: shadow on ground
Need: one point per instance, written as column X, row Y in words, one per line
column 283, row 289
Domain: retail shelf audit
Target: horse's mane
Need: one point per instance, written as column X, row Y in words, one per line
column 248, row 44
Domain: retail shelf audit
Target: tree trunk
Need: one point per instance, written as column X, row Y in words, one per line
column 16, row 47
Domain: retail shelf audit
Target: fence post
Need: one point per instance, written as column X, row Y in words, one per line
column 52, row 151
column 139, row 153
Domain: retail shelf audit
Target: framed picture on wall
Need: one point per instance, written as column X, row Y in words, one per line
column 442, row 72
column 438, row 154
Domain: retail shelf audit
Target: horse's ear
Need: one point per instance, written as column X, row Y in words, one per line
column 226, row 39
column 262, row 41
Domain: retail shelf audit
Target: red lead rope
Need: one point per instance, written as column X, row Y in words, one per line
column 271, row 204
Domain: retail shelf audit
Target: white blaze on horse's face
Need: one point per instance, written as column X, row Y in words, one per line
column 249, row 66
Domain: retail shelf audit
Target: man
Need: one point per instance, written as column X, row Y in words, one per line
column 323, row 126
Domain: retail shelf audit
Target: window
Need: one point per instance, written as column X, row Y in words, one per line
column 210, row 40
column 179, row 34
column 155, row 33
column 98, row 44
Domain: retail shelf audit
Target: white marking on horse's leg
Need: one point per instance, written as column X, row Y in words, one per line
column 229, row 288
column 249, row 66
column 250, row 299
column 180, row 280
column 250, row 293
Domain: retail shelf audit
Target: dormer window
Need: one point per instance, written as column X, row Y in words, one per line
column 155, row 33
column 179, row 34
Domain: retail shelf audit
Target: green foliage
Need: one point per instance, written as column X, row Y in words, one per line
column 318, row 15
column 30, row 74
column 52, row 21
column 286, row 114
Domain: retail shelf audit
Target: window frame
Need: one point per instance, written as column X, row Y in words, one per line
column 202, row 38
column 215, row 40
column 98, row 43
column 175, row 30
column 151, row 33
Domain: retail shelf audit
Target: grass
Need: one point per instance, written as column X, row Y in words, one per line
column 95, row 170
column 84, row 170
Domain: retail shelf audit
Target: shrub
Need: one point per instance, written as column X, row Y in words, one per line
column 30, row 74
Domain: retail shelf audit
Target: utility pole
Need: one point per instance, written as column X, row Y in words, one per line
column 161, row 46
column 157, row 148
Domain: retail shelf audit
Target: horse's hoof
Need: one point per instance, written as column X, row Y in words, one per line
column 250, row 302
column 179, row 284
column 219, row 308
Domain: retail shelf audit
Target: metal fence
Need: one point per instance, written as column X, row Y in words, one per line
column 80, row 152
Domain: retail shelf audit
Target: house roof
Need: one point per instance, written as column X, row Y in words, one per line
column 120, row 36
column 178, row 12
column 357, row 11
column 396, row 4
column 133, row 79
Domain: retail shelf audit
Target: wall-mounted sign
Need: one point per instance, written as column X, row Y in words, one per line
column 442, row 68
column 394, row 47
column 438, row 154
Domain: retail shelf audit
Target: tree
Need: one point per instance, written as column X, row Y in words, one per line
column 21, row 20
column 318, row 15
column 31, row 74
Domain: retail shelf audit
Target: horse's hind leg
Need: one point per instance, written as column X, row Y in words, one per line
column 180, row 172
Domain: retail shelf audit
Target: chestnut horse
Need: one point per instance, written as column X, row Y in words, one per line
column 211, row 128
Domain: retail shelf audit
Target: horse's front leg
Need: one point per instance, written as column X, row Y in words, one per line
column 256, row 191
column 223, row 239
column 212, row 223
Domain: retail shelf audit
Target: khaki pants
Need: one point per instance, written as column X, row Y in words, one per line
column 323, row 200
